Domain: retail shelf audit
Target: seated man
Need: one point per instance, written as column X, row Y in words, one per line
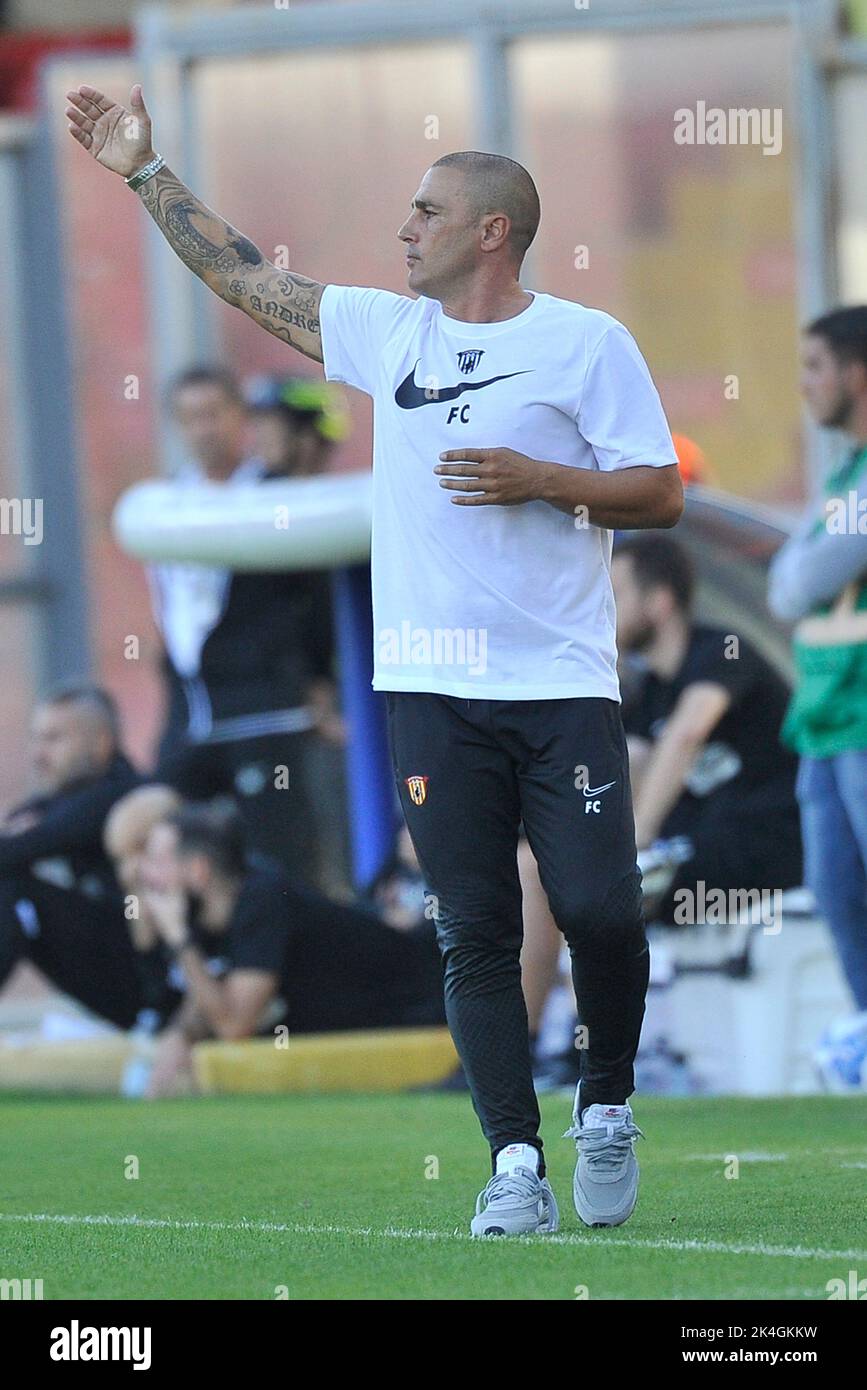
column 60, row 906
column 710, row 778
column 127, row 829
column 256, row 950
column 78, row 772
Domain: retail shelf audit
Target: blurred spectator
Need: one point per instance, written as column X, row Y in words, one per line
column 257, row 951
column 295, row 424
column 397, row 894
column 208, row 409
column 819, row 580
column 713, row 789
column 129, row 823
column 78, row 772
column 248, row 655
column 60, row 905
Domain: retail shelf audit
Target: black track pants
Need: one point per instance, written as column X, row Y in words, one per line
column 81, row 944
column 468, row 772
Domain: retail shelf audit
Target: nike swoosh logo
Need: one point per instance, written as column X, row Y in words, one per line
column 409, row 396
column 594, row 791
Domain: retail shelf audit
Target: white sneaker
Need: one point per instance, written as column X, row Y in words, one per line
column 516, row 1203
column 605, row 1187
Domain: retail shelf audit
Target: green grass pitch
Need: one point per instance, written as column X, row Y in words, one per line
column 370, row 1198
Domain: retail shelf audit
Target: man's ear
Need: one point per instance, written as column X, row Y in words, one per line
column 856, row 377
column 496, row 231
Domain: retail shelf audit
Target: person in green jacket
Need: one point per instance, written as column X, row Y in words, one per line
column 818, row 581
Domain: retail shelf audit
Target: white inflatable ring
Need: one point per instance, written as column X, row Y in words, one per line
column 284, row 524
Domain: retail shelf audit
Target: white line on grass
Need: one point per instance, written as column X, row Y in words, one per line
column 759, row 1156
column 751, row 1156
column 599, row 1241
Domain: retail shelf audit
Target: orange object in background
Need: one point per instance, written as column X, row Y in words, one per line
column 694, row 467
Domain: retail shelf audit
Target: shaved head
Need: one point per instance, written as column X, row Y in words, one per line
column 471, row 221
column 74, row 736
column 494, row 183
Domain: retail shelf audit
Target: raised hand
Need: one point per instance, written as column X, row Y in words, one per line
column 116, row 137
column 284, row 303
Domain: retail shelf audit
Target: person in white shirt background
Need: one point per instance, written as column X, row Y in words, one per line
column 248, row 656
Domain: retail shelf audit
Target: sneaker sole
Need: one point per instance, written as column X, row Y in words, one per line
column 595, row 1223
column 545, row 1229
column 501, row 1231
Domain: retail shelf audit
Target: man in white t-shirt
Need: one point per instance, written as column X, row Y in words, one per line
column 513, row 431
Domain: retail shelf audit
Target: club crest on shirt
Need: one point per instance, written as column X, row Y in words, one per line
column 469, row 360
column 417, row 788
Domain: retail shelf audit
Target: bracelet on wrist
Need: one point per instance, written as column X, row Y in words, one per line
column 146, row 172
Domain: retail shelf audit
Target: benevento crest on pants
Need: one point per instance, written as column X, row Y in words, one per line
column 417, row 788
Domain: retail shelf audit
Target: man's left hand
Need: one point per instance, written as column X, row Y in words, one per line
column 490, row 477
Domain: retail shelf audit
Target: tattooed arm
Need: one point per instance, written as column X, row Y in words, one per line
column 227, row 262
column 230, row 265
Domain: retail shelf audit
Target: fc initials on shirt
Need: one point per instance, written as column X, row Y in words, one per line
column 458, row 412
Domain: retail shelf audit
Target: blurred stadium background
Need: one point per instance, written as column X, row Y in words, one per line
column 306, row 125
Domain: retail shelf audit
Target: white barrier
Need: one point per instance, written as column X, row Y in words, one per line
column 284, row 524
column 754, row 1034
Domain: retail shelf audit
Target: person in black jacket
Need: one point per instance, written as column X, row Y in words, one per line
column 258, row 952
column 60, row 904
column 248, row 655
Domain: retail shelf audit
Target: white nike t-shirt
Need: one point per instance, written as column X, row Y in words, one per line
column 504, row 603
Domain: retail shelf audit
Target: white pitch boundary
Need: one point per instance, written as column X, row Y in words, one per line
column 599, row 1242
